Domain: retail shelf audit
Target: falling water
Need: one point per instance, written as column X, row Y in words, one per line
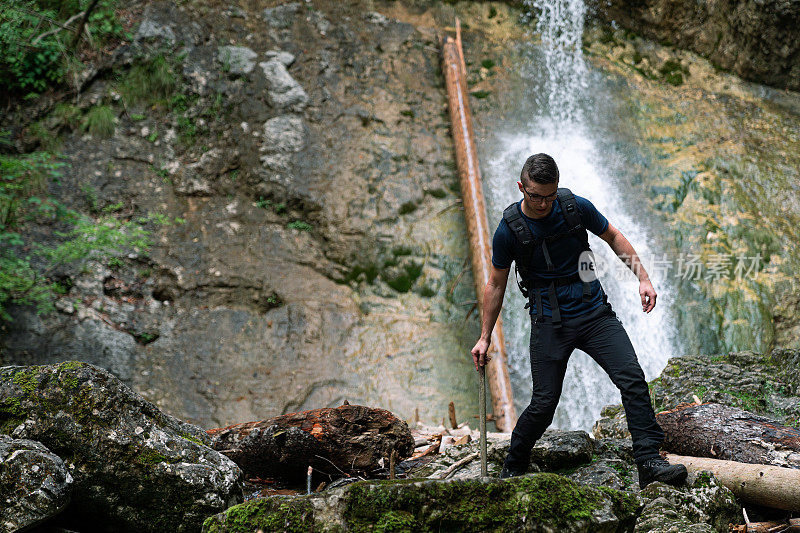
column 564, row 124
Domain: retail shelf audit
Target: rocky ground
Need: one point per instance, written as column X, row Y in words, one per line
column 96, row 456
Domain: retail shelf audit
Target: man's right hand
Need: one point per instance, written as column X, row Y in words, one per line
column 479, row 354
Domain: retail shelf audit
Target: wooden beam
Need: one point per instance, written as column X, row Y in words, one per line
column 477, row 226
column 770, row 486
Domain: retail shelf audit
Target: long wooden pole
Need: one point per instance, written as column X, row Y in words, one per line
column 477, row 226
column 767, row 485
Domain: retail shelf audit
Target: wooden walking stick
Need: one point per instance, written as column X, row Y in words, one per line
column 482, row 401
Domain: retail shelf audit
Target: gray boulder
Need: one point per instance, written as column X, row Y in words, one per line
column 703, row 505
column 281, row 16
column 34, row 484
column 134, row 467
column 283, row 91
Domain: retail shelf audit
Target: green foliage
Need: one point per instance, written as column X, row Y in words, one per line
column 299, row 224
column 99, row 121
column 25, row 267
column 481, row 94
column 27, row 66
column 148, row 82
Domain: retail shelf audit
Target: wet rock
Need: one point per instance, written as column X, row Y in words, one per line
column 34, row 483
column 536, row 502
column 702, row 505
column 283, row 91
column 134, row 467
column 237, row 59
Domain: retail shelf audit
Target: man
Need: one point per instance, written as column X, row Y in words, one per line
column 545, row 234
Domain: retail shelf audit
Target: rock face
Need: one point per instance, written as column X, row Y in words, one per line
column 34, row 483
column 134, row 468
column 308, row 154
column 758, row 40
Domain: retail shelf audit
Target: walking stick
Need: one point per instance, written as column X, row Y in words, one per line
column 482, row 401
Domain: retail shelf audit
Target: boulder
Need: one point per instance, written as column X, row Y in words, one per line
column 762, row 383
column 283, row 91
column 134, row 467
column 34, row 483
column 535, row 502
column 703, row 505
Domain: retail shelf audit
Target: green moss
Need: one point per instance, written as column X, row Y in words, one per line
column 545, row 499
column 148, row 456
column 471, row 505
column 99, row 121
column 480, row 95
column 437, row 193
column 402, row 282
column 28, row 379
column 397, row 521
column 266, row 514
column 408, row 207
column 193, row 439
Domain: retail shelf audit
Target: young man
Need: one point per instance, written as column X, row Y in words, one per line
column 545, row 234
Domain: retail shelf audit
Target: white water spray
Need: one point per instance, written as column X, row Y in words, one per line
column 561, row 131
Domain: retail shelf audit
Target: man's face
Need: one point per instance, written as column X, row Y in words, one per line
column 538, row 197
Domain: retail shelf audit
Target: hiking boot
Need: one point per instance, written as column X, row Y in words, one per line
column 510, row 472
column 658, row 469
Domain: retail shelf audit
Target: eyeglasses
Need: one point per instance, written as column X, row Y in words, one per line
column 538, row 197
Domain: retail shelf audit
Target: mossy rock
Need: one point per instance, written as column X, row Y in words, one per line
column 134, row 467
column 537, row 502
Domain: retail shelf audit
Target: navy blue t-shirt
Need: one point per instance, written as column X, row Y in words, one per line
column 564, row 254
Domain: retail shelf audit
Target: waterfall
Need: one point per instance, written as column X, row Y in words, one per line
column 564, row 124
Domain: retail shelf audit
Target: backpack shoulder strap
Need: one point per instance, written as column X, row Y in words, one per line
column 569, row 207
column 525, row 242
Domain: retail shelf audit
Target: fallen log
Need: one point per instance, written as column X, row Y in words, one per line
column 766, row 485
column 790, row 526
column 346, row 440
column 721, row 432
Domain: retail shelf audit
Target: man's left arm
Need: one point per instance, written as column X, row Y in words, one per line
column 617, row 241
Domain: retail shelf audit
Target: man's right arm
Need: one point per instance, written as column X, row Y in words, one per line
column 493, row 295
column 492, row 302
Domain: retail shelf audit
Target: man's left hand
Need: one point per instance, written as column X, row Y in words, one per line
column 648, row 294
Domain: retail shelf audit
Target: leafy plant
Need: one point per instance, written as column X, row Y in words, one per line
column 26, row 267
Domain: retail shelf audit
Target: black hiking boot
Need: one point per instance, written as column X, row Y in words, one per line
column 510, row 472
column 658, row 469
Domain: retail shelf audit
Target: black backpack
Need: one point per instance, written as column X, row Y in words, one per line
column 526, row 244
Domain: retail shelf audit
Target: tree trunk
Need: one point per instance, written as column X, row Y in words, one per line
column 770, row 486
column 346, row 440
column 721, row 432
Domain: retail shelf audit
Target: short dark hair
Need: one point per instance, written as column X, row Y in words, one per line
column 540, row 168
